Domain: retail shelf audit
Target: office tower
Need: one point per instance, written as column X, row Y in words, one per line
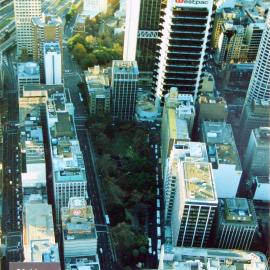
column 25, row 11
column 79, row 232
column 210, row 259
column 52, row 63
column 49, row 28
column 257, row 155
column 92, row 8
column 148, row 36
column 254, row 115
column 236, row 224
column 194, row 204
column 68, row 170
column 131, row 29
column 181, row 151
column 99, row 91
column 177, row 121
column 124, row 89
column 259, row 86
column 38, row 233
column 181, row 51
column 229, row 44
column 223, row 155
column 28, row 73
column 259, row 188
column 253, row 37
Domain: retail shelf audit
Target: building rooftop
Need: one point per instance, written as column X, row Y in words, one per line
column 28, row 69
column 179, row 258
column 47, row 19
column 97, row 80
column 211, row 99
column 238, row 210
column 39, row 239
column 52, row 47
column 220, row 136
column 199, row 183
column 262, row 136
column 78, row 220
column 125, row 67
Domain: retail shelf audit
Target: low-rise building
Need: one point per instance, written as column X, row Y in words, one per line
column 180, row 258
column 28, row 73
column 211, row 108
column 177, row 121
column 260, row 188
column 236, row 224
column 38, row 234
column 223, row 155
column 99, row 91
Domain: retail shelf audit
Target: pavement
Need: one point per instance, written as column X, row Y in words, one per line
column 72, row 76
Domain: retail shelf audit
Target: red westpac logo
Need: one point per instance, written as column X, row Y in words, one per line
column 179, row 1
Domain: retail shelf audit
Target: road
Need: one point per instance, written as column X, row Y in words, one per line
column 12, row 194
column 72, row 76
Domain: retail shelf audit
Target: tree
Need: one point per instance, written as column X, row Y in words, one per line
column 24, row 55
column 89, row 61
column 107, row 165
column 79, row 51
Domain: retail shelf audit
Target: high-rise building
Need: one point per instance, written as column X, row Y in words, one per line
column 194, row 204
column 52, row 63
column 257, row 155
column 254, row 115
column 181, row 151
column 25, row 11
column 46, row 29
column 229, row 44
column 91, row 8
column 183, row 41
column 236, row 224
column 124, row 89
column 68, row 170
column 131, row 30
column 148, row 36
column 259, row 86
column 223, row 155
column 28, row 73
column 99, row 90
column 78, row 230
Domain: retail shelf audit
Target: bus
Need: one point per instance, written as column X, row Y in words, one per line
column 107, row 219
column 158, row 232
column 81, row 98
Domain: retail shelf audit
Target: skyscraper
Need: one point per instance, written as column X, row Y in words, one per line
column 124, row 89
column 52, row 63
column 25, row 10
column 46, row 29
column 131, row 29
column 183, row 42
column 147, row 35
column 259, row 86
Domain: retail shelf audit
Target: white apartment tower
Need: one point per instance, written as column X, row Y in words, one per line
column 52, row 63
column 131, row 29
column 259, row 87
column 184, row 39
column 25, row 11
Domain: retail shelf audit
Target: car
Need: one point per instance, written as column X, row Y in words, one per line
column 150, row 250
column 10, row 182
column 156, row 156
column 9, row 170
column 158, row 232
column 100, row 250
column 158, row 192
column 158, row 214
column 156, row 146
column 158, row 203
column 158, row 221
